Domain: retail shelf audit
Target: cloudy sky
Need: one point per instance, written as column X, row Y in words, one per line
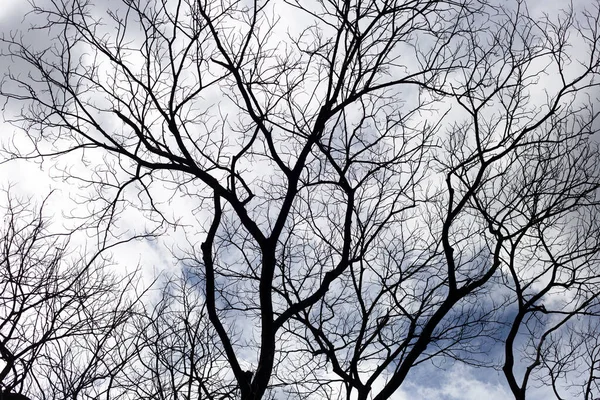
column 35, row 179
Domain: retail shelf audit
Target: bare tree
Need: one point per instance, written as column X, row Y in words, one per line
column 175, row 351
column 375, row 185
column 59, row 311
column 573, row 356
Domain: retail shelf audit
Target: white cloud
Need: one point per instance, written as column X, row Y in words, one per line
column 460, row 383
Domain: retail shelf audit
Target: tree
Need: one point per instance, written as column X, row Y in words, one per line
column 375, row 185
column 60, row 313
column 174, row 351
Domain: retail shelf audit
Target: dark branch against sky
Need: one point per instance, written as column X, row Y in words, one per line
column 329, row 199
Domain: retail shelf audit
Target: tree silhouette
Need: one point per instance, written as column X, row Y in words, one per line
column 372, row 185
column 13, row 396
column 59, row 312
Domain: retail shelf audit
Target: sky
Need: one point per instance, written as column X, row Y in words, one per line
column 34, row 179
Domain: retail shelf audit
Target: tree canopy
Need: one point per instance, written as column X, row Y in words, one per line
column 358, row 189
